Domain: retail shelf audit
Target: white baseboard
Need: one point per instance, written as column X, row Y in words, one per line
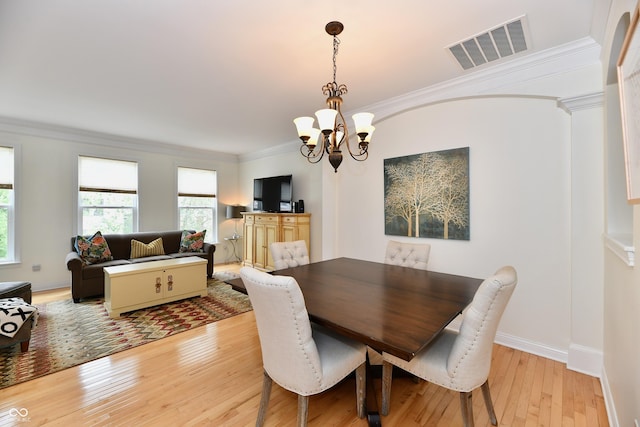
column 531, row 347
column 521, row 344
column 50, row 286
column 586, row 360
column 579, row 358
column 608, row 400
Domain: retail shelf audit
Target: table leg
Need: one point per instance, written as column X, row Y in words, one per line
column 373, row 415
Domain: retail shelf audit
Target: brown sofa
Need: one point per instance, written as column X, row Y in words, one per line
column 88, row 280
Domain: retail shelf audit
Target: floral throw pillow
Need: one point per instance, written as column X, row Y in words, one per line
column 192, row 242
column 94, row 249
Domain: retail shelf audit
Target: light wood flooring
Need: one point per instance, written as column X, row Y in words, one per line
column 212, row 376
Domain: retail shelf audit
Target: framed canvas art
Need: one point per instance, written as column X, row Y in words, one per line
column 427, row 195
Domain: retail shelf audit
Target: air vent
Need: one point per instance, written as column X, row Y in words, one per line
column 499, row 42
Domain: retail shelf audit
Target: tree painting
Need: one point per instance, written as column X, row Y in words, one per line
column 427, row 195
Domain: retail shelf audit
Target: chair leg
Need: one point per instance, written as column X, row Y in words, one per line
column 387, row 373
column 24, row 346
column 487, row 402
column 264, row 400
column 361, row 387
column 467, row 408
column 303, row 410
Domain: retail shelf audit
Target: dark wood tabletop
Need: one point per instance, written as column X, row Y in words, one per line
column 390, row 308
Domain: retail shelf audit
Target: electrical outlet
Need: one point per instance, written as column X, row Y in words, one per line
column 35, row 267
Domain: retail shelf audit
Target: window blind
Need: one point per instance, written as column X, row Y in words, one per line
column 6, row 168
column 107, row 175
column 196, row 182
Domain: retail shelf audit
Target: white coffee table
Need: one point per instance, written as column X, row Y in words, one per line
column 134, row 286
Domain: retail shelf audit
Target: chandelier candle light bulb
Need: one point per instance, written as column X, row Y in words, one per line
column 304, row 126
column 326, row 119
column 362, row 121
column 333, row 128
column 367, row 138
column 313, row 141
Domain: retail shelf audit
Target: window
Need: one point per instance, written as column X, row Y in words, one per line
column 107, row 196
column 7, row 204
column 197, row 205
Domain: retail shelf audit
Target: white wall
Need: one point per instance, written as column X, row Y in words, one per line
column 46, row 209
column 587, row 229
column 519, row 209
column 621, row 371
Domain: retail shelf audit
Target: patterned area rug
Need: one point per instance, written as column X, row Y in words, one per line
column 70, row 334
column 225, row 275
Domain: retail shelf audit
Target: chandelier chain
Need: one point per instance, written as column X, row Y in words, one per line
column 336, row 44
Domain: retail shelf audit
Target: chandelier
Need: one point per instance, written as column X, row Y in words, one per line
column 333, row 130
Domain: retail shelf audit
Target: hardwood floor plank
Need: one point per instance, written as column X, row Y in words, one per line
column 535, row 397
column 568, row 391
column 603, row 418
column 504, row 393
column 526, row 387
column 558, row 393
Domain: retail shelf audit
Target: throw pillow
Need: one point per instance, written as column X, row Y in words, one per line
column 94, row 249
column 140, row 250
column 192, row 242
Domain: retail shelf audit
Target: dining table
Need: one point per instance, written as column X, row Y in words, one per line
column 390, row 308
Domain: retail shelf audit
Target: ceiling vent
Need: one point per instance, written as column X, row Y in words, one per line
column 497, row 43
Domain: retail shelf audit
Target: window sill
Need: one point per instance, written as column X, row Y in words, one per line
column 622, row 246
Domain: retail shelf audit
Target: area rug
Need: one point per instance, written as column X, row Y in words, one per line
column 225, row 275
column 69, row 334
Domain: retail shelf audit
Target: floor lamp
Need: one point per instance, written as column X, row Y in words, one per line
column 234, row 213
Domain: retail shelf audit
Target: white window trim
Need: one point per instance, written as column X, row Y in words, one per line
column 13, row 240
column 212, row 235
column 78, row 211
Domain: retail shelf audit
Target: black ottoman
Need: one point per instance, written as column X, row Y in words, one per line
column 16, row 289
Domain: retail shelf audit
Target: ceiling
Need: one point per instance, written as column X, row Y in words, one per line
column 230, row 75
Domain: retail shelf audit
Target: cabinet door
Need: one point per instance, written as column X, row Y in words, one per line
column 296, row 228
column 178, row 281
column 138, row 288
column 260, row 244
column 289, row 232
column 249, row 241
column 271, row 233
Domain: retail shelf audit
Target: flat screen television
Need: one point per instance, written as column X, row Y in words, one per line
column 272, row 194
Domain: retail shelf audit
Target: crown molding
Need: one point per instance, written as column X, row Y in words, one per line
column 498, row 78
column 583, row 102
column 64, row 133
column 285, row 148
column 622, row 246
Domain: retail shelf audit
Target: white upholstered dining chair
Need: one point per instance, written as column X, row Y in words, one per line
column 414, row 255
column 301, row 358
column 460, row 361
column 289, row 254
